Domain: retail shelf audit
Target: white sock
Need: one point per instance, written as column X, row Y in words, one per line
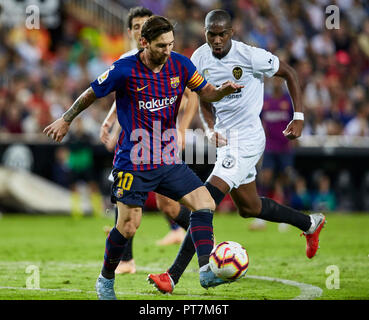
column 312, row 227
column 204, row 267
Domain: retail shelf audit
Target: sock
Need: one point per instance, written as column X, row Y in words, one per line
column 172, row 224
column 183, row 258
column 127, row 253
column 183, row 218
column 215, row 193
column 275, row 212
column 114, row 247
column 201, row 229
column 187, row 249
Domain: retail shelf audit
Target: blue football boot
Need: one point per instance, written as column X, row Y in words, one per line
column 209, row 279
column 105, row 288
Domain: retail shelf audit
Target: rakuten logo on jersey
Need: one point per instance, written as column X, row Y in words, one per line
column 157, row 104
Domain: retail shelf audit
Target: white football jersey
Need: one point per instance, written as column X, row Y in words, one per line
column 239, row 111
column 129, row 53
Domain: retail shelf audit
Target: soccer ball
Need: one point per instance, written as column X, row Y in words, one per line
column 229, row 260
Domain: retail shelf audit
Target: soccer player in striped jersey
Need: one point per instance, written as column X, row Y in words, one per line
column 149, row 87
column 109, row 133
column 237, row 131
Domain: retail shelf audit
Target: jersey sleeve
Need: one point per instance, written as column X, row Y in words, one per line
column 195, row 80
column 109, row 81
column 264, row 62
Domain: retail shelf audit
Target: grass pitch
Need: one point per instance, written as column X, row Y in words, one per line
column 59, row 258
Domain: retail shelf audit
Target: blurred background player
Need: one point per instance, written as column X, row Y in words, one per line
column 109, row 133
column 277, row 169
column 237, row 131
column 80, row 163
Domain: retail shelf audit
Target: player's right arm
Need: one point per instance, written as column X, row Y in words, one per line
column 111, row 80
column 59, row 128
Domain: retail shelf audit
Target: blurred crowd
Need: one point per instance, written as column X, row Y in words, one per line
column 43, row 71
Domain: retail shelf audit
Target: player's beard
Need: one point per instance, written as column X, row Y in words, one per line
column 159, row 60
column 219, row 53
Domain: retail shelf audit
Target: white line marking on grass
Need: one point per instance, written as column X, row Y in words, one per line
column 87, row 292
column 307, row 291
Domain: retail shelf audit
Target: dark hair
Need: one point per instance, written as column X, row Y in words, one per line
column 137, row 12
column 154, row 27
column 218, row 16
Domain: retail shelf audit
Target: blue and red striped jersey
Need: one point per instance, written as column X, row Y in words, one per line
column 147, row 108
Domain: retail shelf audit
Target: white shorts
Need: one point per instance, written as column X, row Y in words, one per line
column 235, row 167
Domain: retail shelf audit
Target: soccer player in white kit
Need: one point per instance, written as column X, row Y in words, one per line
column 237, row 131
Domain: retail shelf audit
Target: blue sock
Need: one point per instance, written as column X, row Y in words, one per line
column 201, row 229
column 114, row 248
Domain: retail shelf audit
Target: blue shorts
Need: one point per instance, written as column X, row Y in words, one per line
column 277, row 161
column 173, row 181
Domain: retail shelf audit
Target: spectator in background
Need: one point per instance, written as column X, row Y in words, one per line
column 363, row 38
column 359, row 125
column 324, row 199
column 61, row 170
column 278, row 160
column 301, row 198
column 324, row 58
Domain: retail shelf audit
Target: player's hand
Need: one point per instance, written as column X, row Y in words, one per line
column 294, row 129
column 229, row 87
column 57, row 130
column 216, row 138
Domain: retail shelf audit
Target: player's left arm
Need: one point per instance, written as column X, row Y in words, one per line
column 294, row 128
column 190, row 107
column 210, row 93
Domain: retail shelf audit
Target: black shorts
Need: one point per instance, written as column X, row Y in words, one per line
column 173, row 181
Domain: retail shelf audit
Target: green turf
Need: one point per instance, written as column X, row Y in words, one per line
column 68, row 255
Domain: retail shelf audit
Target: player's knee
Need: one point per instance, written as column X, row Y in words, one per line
column 211, row 204
column 129, row 229
column 206, row 203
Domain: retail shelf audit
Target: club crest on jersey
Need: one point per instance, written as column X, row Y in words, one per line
column 229, row 162
column 174, row 82
column 119, row 193
column 237, row 73
column 105, row 75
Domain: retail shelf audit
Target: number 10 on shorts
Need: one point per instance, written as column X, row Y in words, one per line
column 124, row 182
